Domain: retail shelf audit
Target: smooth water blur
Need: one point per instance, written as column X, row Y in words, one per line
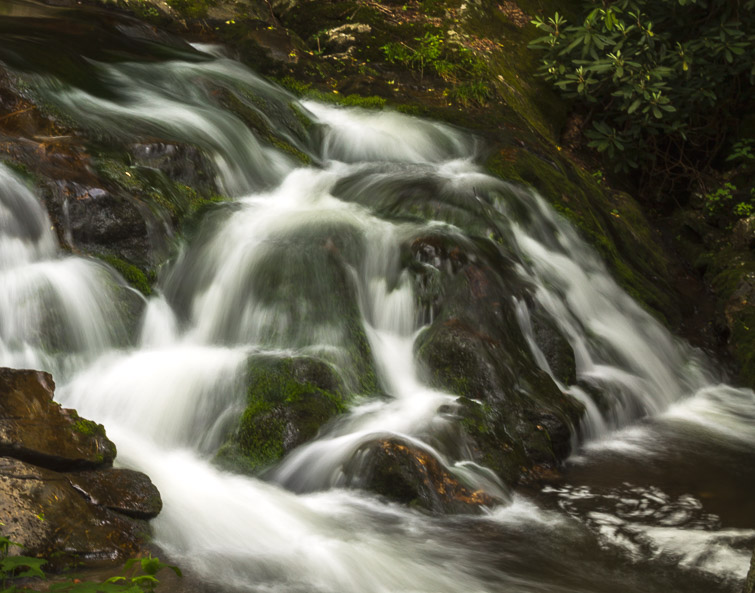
column 56, row 312
column 303, row 253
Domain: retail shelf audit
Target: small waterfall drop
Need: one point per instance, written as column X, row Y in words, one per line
column 55, row 311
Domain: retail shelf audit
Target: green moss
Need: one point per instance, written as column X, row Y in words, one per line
column 21, row 170
column 302, row 157
column 289, row 400
column 131, row 274
column 88, row 427
column 350, row 100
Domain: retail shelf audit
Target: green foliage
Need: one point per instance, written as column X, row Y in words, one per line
column 715, row 201
column 131, row 274
column 742, row 151
column 16, row 567
column 139, row 574
column 453, row 63
column 662, row 81
column 726, row 200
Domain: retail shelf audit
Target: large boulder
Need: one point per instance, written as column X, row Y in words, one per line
column 35, row 429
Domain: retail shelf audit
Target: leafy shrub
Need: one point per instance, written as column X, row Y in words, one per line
column 662, row 81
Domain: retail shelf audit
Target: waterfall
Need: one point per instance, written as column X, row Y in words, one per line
column 268, row 277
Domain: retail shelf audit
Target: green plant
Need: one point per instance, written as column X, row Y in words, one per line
column 716, row 200
column 139, row 574
column 744, row 209
column 16, row 567
column 455, row 64
column 427, row 52
column 742, row 151
column 140, row 577
column 661, row 82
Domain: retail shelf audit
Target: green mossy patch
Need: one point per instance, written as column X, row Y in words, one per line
column 131, row 274
column 289, row 400
column 88, row 427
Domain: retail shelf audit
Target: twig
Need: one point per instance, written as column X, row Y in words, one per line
column 17, row 112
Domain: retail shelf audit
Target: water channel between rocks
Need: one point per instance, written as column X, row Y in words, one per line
column 658, row 496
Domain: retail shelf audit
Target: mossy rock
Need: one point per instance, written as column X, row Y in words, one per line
column 288, row 402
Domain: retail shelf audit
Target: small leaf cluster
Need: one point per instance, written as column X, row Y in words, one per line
column 140, row 574
column 662, row 80
column 727, row 200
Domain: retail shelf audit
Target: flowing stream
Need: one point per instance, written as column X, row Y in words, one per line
column 657, row 498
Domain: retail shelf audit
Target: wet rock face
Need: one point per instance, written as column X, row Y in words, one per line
column 58, row 493
column 517, row 421
column 407, row 474
column 42, row 511
column 35, row 429
column 97, row 220
column 124, row 491
column 181, row 163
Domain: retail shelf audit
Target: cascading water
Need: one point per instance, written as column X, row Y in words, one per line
column 260, row 281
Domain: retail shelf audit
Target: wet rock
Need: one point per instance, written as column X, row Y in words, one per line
column 124, row 491
column 182, row 163
column 517, row 421
column 739, row 315
column 289, row 400
column 555, row 347
column 41, row 510
column 37, row 430
column 96, row 219
column 410, row 475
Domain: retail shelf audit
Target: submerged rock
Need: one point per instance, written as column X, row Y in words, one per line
column 59, row 497
column 407, row 474
column 37, row 430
